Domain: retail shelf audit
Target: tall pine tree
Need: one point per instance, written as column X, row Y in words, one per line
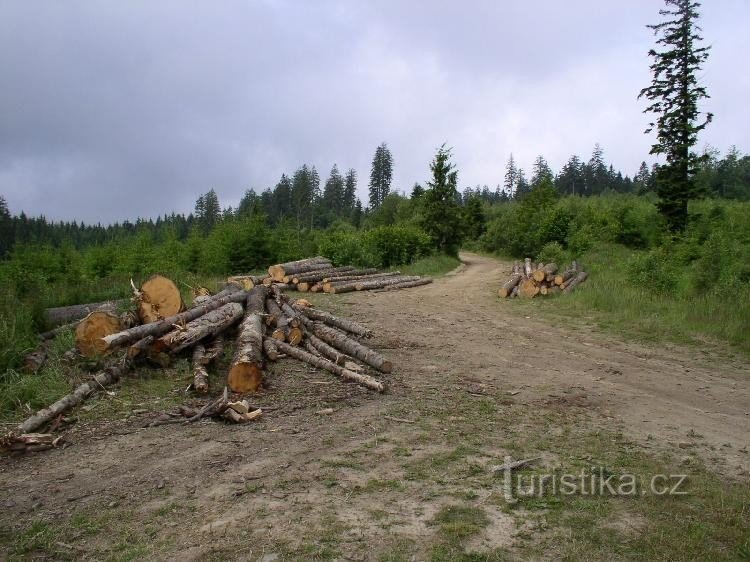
column 441, row 216
column 380, row 176
column 511, row 177
column 674, row 94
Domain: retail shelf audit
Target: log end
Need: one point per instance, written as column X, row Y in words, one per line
column 92, row 329
column 159, row 298
column 294, row 336
column 245, row 377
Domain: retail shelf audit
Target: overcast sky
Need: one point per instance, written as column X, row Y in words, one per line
column 112, row 110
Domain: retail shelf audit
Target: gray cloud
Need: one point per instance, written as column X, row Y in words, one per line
column 114, row 110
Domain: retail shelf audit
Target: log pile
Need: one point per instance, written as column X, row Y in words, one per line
column 529, row 280
column 264, row 323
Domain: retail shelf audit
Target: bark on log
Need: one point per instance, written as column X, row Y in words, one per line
column 247, row 282
column 273, row 314
column 527, row 269
column 210, row 324
column 34, row 360
column 366, row 285
column 407, row 284
column 331, row 353
column 553, row 290
column 351, row 347
column 528, row 288
column 507, row 287
column 141, row 346
column 356, row 274
column 108, row 376
column 542, row 273
column 573, row 283
column 278, row 271
column 246, row 371
column 91, row 329
column 322, row 363
column 29, row 442
column 343, row 323
column 515, row 292
column 563, row 277
column 67, row 314
column 157, row 298
column 320, row 274
column 351, row 285
column 156, row 329
column 202, row 357
column 269, row 346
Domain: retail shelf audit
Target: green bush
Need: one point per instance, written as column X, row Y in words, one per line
column 653, row 271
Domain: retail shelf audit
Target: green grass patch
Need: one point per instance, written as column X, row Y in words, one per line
column 431, row 266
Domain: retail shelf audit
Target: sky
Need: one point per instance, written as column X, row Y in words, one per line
column 114, row 110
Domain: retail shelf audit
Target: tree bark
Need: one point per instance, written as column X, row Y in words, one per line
column 156, row 329
column 246, row 371
column 269, row 346
column 527, row 268
column 349, row 275
column 542, row 273
column 322, row 363
column 326, row 350
column 341, row 341
column 507, row 287
column 328, row 318
column 67, row 314
column 278, row 271
column 320, row 274
column 202, row 357
column 108, row 376
column 407, row 284
column 157, row 298
column 210, row 324
column 365, row 284
column 571, row 285
column 335, row 281
column 34, row 360
column 569, row 273
column 274, row 314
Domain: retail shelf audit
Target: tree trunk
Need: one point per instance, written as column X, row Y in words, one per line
column 515, row 292
column 278, row 271
column 406, row 284
column 544, row 271
column 507, row 287
column 366, row 285
column 528, row 288
column 158, row 298
column 341, row 341
column 320, row 274
column 156, row 329
column 326, row 350
column 202, row 357
column 527, row 268
column 108, row 376
column 274, row 314
column 210, row 324
column 269, row 346
column 342, row 323
column 91, row 329
column 246, row 372
column 68, row 314
column 573, row 283
column 561, row 278
column 349, row 275
column 322, row 363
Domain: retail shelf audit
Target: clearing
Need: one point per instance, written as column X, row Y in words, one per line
column 407, row 475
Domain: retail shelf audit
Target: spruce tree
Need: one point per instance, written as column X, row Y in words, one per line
column 674, row 94
column 441, row 216
column 522, row 185
column 350, row 191
column 333, row 192
column 511, row 177
column 380, row 176
column 541, row 171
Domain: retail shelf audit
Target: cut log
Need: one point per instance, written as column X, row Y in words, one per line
column 246, row 371
column 273, row 314
column 371, row 282
column 141, row 346
column 336, row 282
column 344, row 323
column 247, row 282
column 541, row 274
column 407, row 284
column 573, row 283
column 325, row 350
column 563, row 277
column 91, row 329
column 202, row 357
column 34, row 360
column 210, row 324
column 553, row 290
column 322, row 363
column 384, row 282
column 527, row 268
column 351, row 347
column 104, row 378
column 269, row 346
column 320, row 274
column 29, row 442
column 158, row 298
column 68, row 314
column 348, row 276
column 156, row 329
column 508, row 285
column 528, row 288
column 278, row 271
column 514, row 293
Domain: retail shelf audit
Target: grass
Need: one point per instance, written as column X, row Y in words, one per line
column 615, row 303
column 432, row 266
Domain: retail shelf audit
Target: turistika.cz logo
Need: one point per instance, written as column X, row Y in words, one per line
column 595, row 481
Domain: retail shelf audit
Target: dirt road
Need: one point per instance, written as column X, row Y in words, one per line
column 369, row 478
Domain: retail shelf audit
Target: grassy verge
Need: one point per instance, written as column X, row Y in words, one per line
column 615, row 302
column 432, row 266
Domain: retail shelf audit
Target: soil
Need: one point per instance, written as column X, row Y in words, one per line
column 242, row 492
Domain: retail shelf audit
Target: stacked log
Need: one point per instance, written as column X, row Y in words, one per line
column 529, row 280
column 265, row 324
